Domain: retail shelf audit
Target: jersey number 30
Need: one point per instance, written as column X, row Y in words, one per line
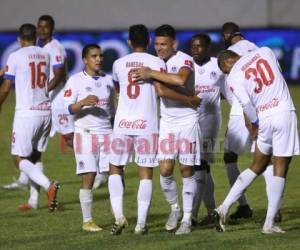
column 133, row 88
column 262, row 73
column 38, row 76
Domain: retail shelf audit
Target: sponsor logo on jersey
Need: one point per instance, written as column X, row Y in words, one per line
column 137, row 124
column 201, row 71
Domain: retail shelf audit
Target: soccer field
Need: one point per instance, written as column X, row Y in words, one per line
column 62, row 229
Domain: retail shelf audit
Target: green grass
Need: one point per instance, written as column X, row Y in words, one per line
column 62, row 229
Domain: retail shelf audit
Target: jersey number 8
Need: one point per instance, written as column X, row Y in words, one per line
column 133, row 88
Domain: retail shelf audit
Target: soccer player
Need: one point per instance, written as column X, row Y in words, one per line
column 28, row 68
column 88, row 95
column 257, row 82
column 136, row 130
column 62, row 122
column 237, row 136
column 179, row 127
column 209, row 83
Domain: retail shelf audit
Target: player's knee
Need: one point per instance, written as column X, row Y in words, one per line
column 186, row 171
column 69, row 139
column 230, row 157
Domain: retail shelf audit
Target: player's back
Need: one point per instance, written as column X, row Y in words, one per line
column 30, row 66
column 137, row 105
column 267, row 88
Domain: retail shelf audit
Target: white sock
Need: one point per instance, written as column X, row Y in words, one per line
column 23, row 178
column 200, row 176
column 35, row 174
column 35, row 189
column 209, row 196
column 100, row 179
column 116, row 191
column 86, row 201
column 233, row 172
column 242, row 182
column 189, row 186
column 276, row 188
column 169, row 187
column 144, row 199
column 268, row 174
column 186, row 217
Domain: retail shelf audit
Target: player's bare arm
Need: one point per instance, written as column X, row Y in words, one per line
column 88, row 101
column 4, row 90
column 2, row 71
column 178, row 79
column 163, row 91
column 59, row 76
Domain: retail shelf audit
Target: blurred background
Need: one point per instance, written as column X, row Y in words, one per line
column 273, row 23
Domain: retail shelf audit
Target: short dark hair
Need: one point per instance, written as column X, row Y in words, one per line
column 139, row 35
column 49, row 19
column 203, row 37
column 225, row 55
column 89, row 47
column 27, row 32
column 165, row 30
column 230, row 28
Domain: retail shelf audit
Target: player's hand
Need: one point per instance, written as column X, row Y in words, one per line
column 194, row 101
column 143, row 73
column 253, row 131
column 90, row 100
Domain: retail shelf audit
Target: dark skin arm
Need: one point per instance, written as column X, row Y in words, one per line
column 59, row 76
column 4, row 90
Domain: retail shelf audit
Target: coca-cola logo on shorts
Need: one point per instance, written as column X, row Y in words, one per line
column 137, row 124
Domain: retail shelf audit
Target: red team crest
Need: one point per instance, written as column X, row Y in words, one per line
column 188, row 63
column 68, row 93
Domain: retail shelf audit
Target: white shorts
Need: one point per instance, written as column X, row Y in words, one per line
column 62, row 122
column 278, row 135
column 182, row 142
column 30, row 133
column 144, row 147
column 210, row 125
column 237, row 135
column 91, row 151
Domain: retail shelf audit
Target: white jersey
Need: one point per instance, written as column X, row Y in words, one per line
column 58, row 56
column 95, row 118
column 137, row 108
column 257, row 82
column 209, row 83
column 242, row 47
column 173, row 111
column 29, row 68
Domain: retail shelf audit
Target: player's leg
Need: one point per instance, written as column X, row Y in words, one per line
column 120, row 155
column 144, row 198
column 169, row 188
column 236, row 139
column 243, row 181
column 20, row 183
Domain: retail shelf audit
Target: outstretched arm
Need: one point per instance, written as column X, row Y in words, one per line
column 163, row 91
column 178, row 79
